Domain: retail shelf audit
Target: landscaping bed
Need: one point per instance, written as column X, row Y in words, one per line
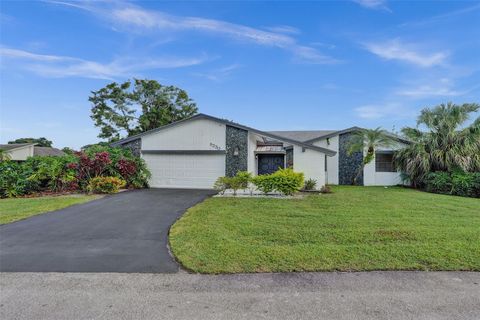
column 352, row 229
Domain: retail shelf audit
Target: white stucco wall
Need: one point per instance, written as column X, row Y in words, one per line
column 199, row 134
column 373, row 178
column 21, row 153
column 311, row 163
column 252, row 145
column 332, row 162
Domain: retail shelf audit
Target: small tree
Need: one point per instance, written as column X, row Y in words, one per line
column 129, row 108
column 368, row 140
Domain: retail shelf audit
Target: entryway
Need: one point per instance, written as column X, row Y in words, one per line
column 269, row 163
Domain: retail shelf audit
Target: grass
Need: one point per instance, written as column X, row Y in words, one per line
column 21, row 208
column 353, row 229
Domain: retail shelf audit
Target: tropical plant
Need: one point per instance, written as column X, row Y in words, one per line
column 105, row 184
column 310, row 184
column 14, row 180
column 119, row 109
column 368, row 140
column 4, row 155
column 72, row 171
column 441, row 142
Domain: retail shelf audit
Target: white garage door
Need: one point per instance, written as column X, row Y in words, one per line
column 185, row 170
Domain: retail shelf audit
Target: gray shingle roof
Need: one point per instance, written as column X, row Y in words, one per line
column 47, row 151
column 302, row 135
column 11, row 146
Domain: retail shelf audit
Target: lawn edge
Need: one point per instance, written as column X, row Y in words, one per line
column 98, row 197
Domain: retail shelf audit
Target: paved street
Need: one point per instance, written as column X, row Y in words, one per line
column 368, row 295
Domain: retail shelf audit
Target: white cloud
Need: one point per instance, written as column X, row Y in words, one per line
column 396, row 50
column 441, row 88
column 219, row 74
column 283, row 29
column 373, row 4
column 133, row 17
column 64, row 66
column 442, row 17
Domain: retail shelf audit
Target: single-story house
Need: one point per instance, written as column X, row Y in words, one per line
column 21, row 151
column 194, row 152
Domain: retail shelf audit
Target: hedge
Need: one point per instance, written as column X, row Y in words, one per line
column 465, row 184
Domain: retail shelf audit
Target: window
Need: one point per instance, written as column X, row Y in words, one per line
column 384, row 162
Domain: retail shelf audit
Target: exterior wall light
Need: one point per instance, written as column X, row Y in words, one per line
column 236, row 152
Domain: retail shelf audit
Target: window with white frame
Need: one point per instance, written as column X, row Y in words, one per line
column 384, row 162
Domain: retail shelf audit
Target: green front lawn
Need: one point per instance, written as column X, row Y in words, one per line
column 355, row 228
column 20, row 208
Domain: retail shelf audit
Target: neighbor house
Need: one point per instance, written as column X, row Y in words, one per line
column 194, row 152
column 21, row 151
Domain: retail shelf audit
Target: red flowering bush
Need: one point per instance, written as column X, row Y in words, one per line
column 72, row 172
column 126, row 168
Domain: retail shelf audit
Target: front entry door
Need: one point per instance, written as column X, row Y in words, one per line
column 269, row 163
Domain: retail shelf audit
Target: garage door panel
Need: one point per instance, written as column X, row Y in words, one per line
column 185, row 171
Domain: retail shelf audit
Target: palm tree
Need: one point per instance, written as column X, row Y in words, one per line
column 447, row 144
column 368, row 140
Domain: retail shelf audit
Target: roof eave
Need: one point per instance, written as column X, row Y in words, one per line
column 230, row 123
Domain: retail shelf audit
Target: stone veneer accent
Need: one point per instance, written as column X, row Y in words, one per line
column 135, row 146
column 236, row 138
column 348, row 165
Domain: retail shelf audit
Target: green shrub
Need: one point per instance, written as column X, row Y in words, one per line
column 105, row 184
column 458, row 183
column 14, row 180
column 51, row 173
column 463, row 184
column 235, row 183
column 285, row 181
column 71, row 172
column 244, row 178
column 240, row 181
column 439, row 182
column 264, row 183
column 476, row 184
column 221, row 184
column 310, row 184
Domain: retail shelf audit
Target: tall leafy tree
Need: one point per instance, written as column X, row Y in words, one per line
column 130, row 108
column 41, row 142
column 441, row 142
column 368, row 140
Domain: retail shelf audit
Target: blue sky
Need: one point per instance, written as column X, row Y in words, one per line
column 269, row 65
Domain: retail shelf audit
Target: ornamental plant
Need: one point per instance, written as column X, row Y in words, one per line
column 285, row 181
column 105, row 184
column 72, row 172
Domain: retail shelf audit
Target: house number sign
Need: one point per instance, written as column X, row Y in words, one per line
column 214, row 146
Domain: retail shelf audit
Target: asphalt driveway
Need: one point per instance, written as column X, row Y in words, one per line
column 126, row 232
